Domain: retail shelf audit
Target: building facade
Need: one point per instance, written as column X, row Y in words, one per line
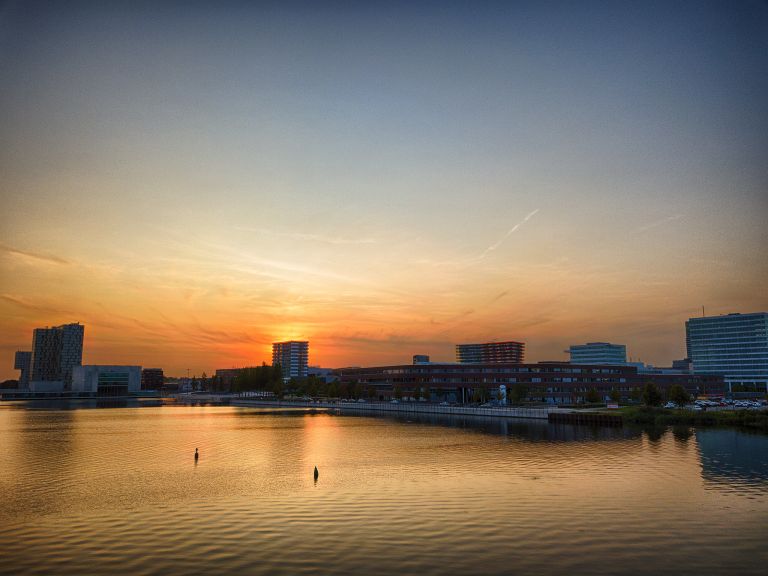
column 55, row 352
column 598, row 353
column 152, row 378
column 22, row 362
column 225, row 377
column 293, row 358
column 734, row 345
column 550, row 382
column 490, row 352
column 326, row 374
column 106, row 380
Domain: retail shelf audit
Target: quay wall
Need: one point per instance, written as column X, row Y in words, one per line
column 380, row 407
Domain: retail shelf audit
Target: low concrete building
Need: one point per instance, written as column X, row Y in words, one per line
column 106, row 380
column 46, row 386
column 322, row 373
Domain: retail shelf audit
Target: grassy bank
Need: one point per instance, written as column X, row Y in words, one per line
column 752, row 419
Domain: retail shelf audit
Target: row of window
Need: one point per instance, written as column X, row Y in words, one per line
column 463, row 370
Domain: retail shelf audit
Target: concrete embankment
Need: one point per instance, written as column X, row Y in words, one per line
column 552, row 414
column 405, row 407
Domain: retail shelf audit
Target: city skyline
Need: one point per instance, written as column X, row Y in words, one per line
column 382, row 180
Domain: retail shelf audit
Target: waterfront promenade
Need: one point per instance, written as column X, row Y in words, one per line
column 404, row 407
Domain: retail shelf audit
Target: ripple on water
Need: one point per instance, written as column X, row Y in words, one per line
column 96, row 491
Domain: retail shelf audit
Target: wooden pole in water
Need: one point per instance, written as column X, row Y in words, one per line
column 316, row 473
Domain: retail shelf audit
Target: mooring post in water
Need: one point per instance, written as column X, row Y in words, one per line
column 316, row 473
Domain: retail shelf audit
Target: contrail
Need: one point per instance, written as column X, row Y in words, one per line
column 656, row 224
column 512, row 230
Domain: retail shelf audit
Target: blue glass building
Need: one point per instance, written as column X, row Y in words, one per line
column 734, row 345
column 598, row 353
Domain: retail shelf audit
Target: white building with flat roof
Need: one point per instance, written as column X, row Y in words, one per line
column 106, row 380
column 292, row 356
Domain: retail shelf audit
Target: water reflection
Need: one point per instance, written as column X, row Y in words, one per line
column 733, row 458
column 526, row 429
column 427, row 494
column 86, row 403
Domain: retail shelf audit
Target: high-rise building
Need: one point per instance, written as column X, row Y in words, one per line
column 55, row 352
column 106, row 380
column 491, row 352
column 152, row 378
column 293, row 357
column 734, row 345
column 21, row 363
column 598, row 353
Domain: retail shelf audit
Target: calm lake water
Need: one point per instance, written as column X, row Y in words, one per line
column 117, row 491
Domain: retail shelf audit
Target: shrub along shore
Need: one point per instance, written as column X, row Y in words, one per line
column 756, row 420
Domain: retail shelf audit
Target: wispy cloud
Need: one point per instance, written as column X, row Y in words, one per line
column 38, row 256
column 308, row 237
column 656, row 224
column 26, row 304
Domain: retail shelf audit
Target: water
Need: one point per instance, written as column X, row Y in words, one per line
column 118, row 491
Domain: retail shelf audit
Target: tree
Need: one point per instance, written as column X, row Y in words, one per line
column 278, row 388
column 276, row 372
column 678, row 395
column 636, row 394
column 519, row 392
column 615, row 395
column 651, row 394
column 371, row 392
column 593, row 396
column 397, row 392
column 425, row 393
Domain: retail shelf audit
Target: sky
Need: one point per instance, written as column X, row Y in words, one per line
column 193, row 181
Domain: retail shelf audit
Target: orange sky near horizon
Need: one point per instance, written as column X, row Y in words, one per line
column 203, row 305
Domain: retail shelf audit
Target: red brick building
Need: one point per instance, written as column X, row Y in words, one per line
column 550, row 382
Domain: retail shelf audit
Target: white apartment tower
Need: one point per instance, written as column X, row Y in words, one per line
column 293, row 358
